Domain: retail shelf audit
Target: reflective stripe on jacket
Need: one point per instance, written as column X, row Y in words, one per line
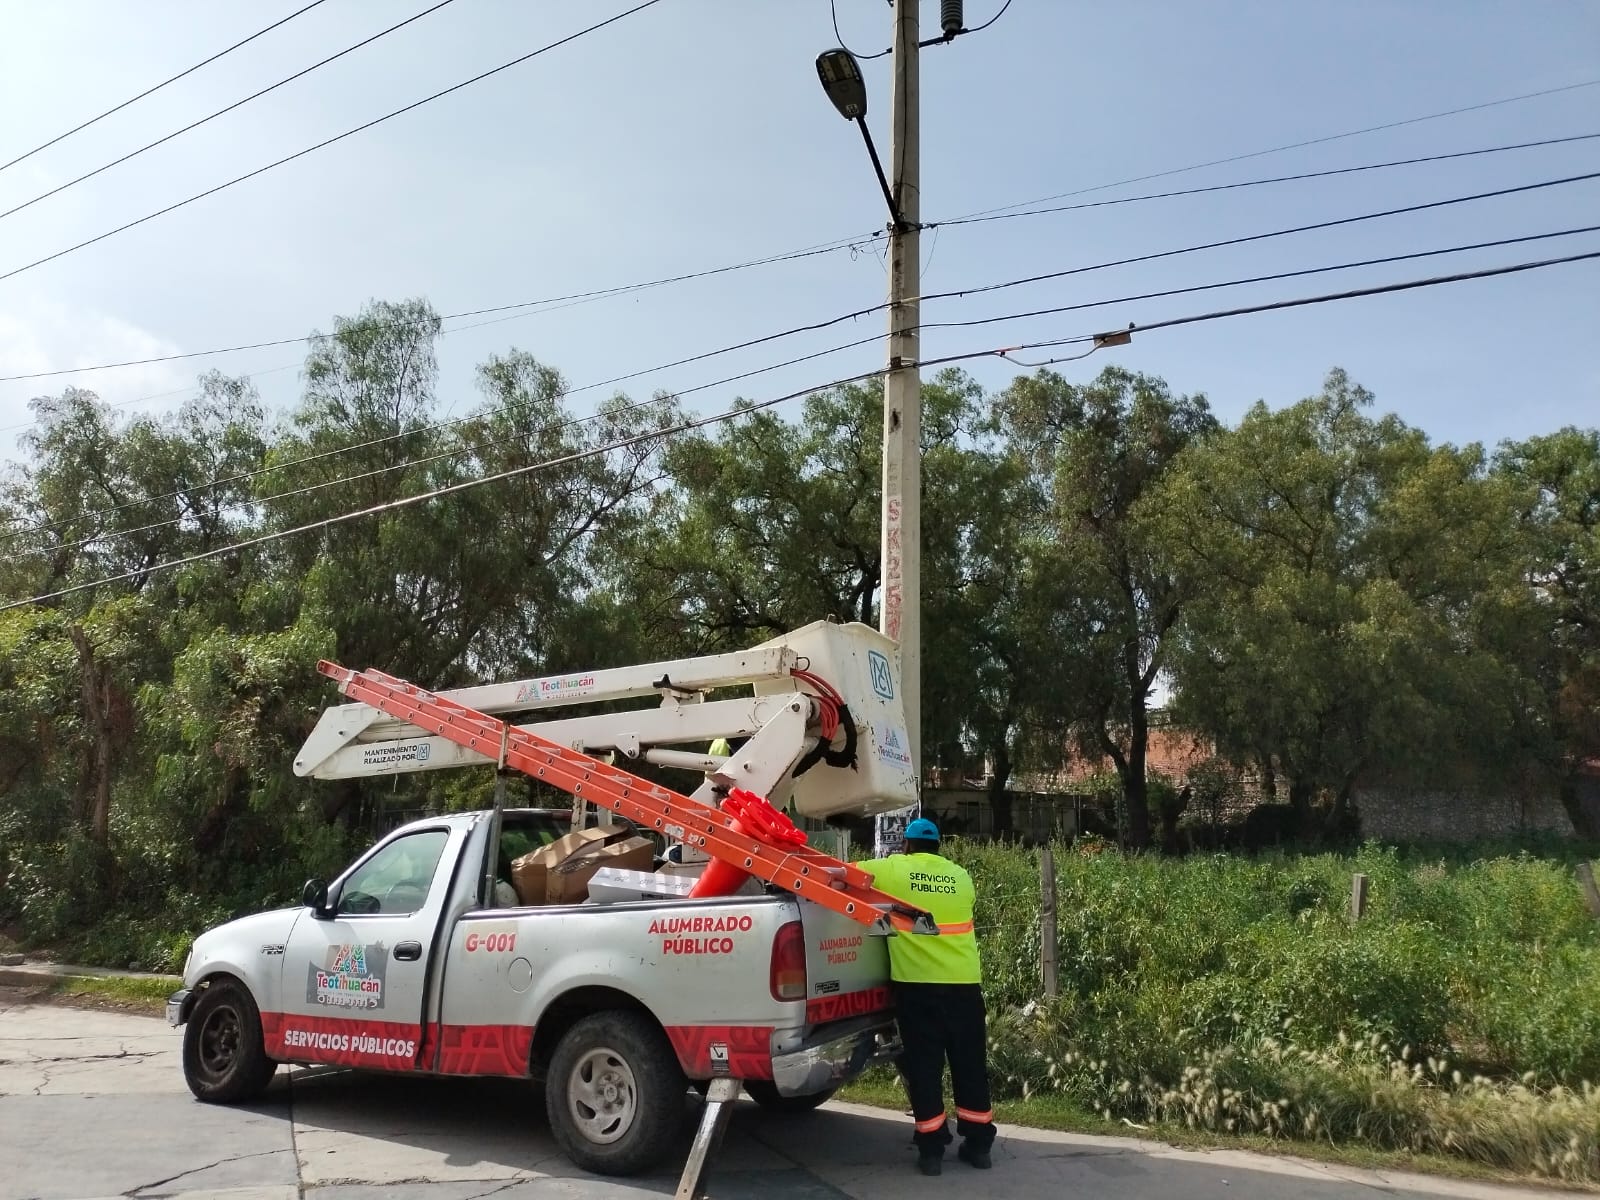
column 944, row 890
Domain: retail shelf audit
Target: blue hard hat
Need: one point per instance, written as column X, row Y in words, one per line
column 922, row 830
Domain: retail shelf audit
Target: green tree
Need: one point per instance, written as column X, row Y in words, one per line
column 1558, row 479
column 1358, row 605
column 1099, row 452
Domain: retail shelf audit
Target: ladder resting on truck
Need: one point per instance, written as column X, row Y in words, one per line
column 778, row 743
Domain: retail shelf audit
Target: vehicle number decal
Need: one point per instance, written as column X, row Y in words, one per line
column 492, row 941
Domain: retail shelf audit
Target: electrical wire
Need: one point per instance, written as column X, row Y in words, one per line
column 743, row 410
column 821, row 248
column 1274, row 306
column 999, row 215
column 152, row 90
column 880, row 308
column 465, row 485
column 548, row 302
column 454, row 452
column 1275, row 276
column 1258, row 237
column 1317, row 141
column 160, row 212
column 991, row 20
column 833, row 7
column 224, row 111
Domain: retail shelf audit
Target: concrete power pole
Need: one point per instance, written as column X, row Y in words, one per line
column 901, row 551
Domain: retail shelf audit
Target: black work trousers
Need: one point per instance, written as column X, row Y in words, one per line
column 942, row 1022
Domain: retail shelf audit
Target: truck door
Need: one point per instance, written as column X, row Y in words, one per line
column 354, row 978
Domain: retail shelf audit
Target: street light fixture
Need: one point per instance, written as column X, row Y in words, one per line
column 842, row 81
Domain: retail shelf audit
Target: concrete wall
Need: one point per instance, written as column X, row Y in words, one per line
column 1459, row 815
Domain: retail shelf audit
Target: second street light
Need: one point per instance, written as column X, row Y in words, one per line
column 841, row 80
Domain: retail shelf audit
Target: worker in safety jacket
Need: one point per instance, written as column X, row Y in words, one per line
column 938, row 997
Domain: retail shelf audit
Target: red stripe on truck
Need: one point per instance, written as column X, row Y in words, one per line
column 822, row 1009
column 743, row 1051
column 343, row 1041
column 484, row 1049
column 393, row 1045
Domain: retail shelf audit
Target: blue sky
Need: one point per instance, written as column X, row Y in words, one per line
column 695, row 134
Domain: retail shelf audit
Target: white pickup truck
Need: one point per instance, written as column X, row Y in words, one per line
column 398, row 965
column 405, row 962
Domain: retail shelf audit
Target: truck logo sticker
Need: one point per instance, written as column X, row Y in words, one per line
column 882, row 681
column 351, row 977
column 890, row 744
column 389, row 754
column 556, row 685
column 719, row 1057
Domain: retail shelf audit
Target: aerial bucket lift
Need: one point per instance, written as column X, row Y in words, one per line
column 823, row 718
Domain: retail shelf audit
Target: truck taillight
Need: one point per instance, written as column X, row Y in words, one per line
column 789, row 962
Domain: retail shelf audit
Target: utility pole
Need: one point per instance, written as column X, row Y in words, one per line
column 901, row 551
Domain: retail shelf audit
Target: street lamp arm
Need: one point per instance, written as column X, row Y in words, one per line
column 883, row 180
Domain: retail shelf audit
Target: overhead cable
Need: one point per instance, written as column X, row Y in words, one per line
column 288, row 158
column 746, row 409
column 150, row 91
column 176, row 133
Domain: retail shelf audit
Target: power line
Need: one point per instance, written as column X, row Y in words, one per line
column 408, row 501
column 1006, row 215
column 548, row 301
column 454, row 452
column 1274, row 277
column 991, row 20
column 820, row 248
column 833, row 7
column 1276, row 306
column 1258, row 237
column 152, row 90
column 863, row 312
column 1318, row 141
column 224, row 111
column 330, row 141
column 746, row 409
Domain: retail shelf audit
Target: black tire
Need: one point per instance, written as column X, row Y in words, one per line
column 224, row 1058
column 615, row 1094
column 765, row 1093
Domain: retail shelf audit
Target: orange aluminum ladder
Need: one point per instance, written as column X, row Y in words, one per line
column 809, row 874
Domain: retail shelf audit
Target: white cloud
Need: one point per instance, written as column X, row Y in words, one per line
column 51, row 336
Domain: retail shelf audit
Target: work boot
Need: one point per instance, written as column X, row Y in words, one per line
column 974, row 1157
column 930, row 1164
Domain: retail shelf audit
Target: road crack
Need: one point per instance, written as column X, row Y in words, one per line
column 137, row 1193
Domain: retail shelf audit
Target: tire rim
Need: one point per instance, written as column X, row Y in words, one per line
column 602, row 1096
column 220, row 1039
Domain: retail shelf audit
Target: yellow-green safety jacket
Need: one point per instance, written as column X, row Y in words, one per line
column 944, row 890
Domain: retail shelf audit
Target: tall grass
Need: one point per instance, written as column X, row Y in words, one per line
column 1461, row 1015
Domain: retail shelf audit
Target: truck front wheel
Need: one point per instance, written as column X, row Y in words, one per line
column 224, row 1058
column 615, row 1094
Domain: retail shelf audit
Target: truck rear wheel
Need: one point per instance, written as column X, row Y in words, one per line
column 765, row 1093
column 224, row 1058
column 615, row 1094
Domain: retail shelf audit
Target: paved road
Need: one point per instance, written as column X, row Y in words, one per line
column 92, row 1105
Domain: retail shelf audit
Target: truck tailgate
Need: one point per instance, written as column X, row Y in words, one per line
column 847, row 968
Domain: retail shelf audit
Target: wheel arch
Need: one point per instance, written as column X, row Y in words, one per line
column 570, row 1007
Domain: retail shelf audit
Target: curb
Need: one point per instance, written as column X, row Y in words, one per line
column 37, row 974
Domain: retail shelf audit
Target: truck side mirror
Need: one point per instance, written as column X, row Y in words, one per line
column 315, row 897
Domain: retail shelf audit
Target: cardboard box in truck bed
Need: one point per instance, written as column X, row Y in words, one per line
column 530, row 874
column 569, row 882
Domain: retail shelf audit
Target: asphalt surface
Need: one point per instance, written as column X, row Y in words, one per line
column 92, row 1104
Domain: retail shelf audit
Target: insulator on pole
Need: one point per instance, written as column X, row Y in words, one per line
column 950, row 17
